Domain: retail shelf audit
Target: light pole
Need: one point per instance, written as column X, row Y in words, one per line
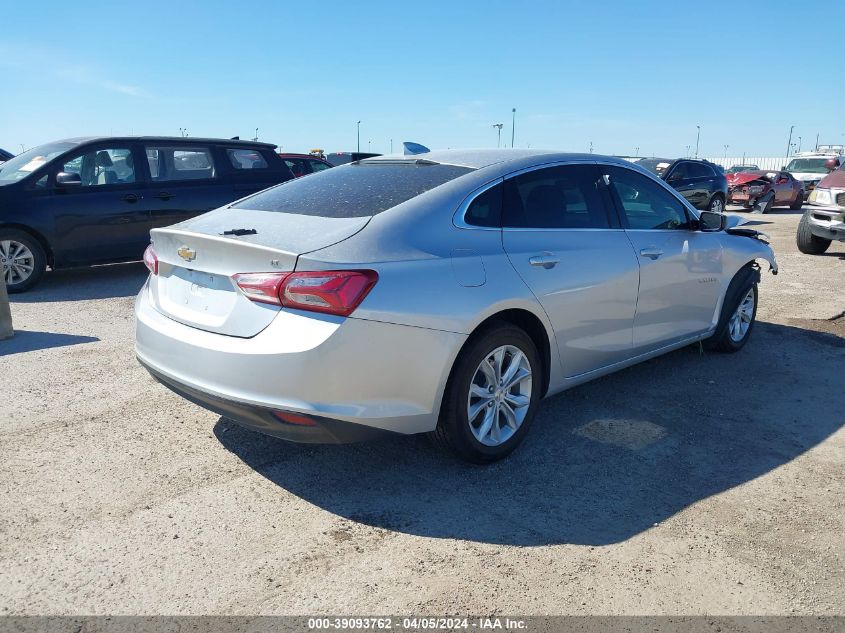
column 789, row 142
column 726, row 151
column 391, row 146
column 369, row 145
column 256, row 135
column 636, row 152
column 591, row 147
column 359, row 136
column 499, row 127
column 513, row 126
column 697, row 138
column 799, row 144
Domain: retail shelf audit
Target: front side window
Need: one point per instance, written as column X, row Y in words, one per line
column 179, row 163
column 246, row 159
column 564, row 197
column 24, row 164
column 100, row 167
column 645, row 204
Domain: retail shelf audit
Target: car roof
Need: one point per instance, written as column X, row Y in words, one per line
column 480, row 158
column 79, row 140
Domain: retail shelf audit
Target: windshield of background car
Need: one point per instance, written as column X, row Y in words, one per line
column 657, row 166
column 353, row 191
column 24, row 164
column 808, row 165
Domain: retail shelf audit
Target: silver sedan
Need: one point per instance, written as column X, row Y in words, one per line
column 443, row 293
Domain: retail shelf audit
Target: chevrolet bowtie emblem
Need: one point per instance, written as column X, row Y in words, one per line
column 186, row 253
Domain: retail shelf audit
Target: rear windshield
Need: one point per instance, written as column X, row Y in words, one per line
column 353, row 191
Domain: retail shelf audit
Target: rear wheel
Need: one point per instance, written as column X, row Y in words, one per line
column 717, row 205
column 798, row 202
column 492, row 395
column 807, row 242
column 739, row 312
column 23, row 259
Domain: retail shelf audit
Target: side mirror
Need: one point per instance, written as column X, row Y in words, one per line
column 66, row 179
column 710, row 221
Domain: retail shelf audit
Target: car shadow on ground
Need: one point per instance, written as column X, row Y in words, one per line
column 27, row 341
column 603, row 462
column 84, row 284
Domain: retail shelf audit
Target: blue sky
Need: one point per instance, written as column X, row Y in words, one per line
column 619, row 74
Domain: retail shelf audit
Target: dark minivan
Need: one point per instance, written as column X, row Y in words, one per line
column 701, row 182
column 90, row 201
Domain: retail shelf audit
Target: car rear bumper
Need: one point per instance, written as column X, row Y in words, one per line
column 338, row 372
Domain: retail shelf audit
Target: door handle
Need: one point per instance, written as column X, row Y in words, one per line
column 164, row 195
column 545, row 261
column 131, row 197
column 651, row 252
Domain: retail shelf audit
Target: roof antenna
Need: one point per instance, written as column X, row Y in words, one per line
column 414, row 148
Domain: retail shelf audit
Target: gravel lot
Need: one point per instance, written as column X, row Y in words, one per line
column 691, row 484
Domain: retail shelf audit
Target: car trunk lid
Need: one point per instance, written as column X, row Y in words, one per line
column 197, row 259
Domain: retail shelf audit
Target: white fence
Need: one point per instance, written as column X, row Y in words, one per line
column 761, row 162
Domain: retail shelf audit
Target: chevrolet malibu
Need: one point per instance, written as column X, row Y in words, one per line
column 442, row 293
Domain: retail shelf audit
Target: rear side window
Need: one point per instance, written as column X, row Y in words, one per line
column 317, row 165
column 486, row 209
column 354, row 191
column 179, row 163
column 297, row 167
column 565, row 197
column 699, row 170
column 246, row 159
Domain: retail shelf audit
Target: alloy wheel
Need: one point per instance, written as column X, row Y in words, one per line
column 499, row 395
column 741, row 318
column 17, row 260
column 716, row 206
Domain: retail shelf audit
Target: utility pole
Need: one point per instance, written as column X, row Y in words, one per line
column 513, row 126
column 359, row 137
column 499, row 127
column 789, row 142
column 697, row 138
column 817, row 142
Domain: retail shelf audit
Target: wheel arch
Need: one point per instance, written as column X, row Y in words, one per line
column 45, row 244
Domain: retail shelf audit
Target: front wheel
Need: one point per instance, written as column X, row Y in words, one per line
column 739, row 312
column 808, row 243
column 23, row 259
column 492, row 395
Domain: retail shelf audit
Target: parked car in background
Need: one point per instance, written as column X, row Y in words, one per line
column 738, row 168
column 824, row 221
column 811, row 167
column 702, row 183
column 451, row 291
column 94, row 200
column 304, row 164
column 761, row 190
column 4, row 156
column 342, row 158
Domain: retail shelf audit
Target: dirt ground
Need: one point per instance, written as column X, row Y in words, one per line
column 691, row 484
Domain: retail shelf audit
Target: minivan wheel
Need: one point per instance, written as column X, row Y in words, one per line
column 808, row 243
column 739, row 312
column 492, row 395
column 22, row 258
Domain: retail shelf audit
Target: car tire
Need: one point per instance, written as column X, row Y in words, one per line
column 765, row 205
column 717, row 204
column 798, row 202
column 499, row 423
column 22, row 258
column 739, row 312
column 808, row 243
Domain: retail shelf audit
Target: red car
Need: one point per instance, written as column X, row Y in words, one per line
column 761, row 190
column 304, row 164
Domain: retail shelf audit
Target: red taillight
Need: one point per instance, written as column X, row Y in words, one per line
column 336, row 292
column 261, row 287
column 293, row 418
column 151, row 260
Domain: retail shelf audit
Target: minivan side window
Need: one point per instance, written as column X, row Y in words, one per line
column 179, row 163
column 246, row 159
column 563, row 197
column 644, row 203
column 102, row 167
